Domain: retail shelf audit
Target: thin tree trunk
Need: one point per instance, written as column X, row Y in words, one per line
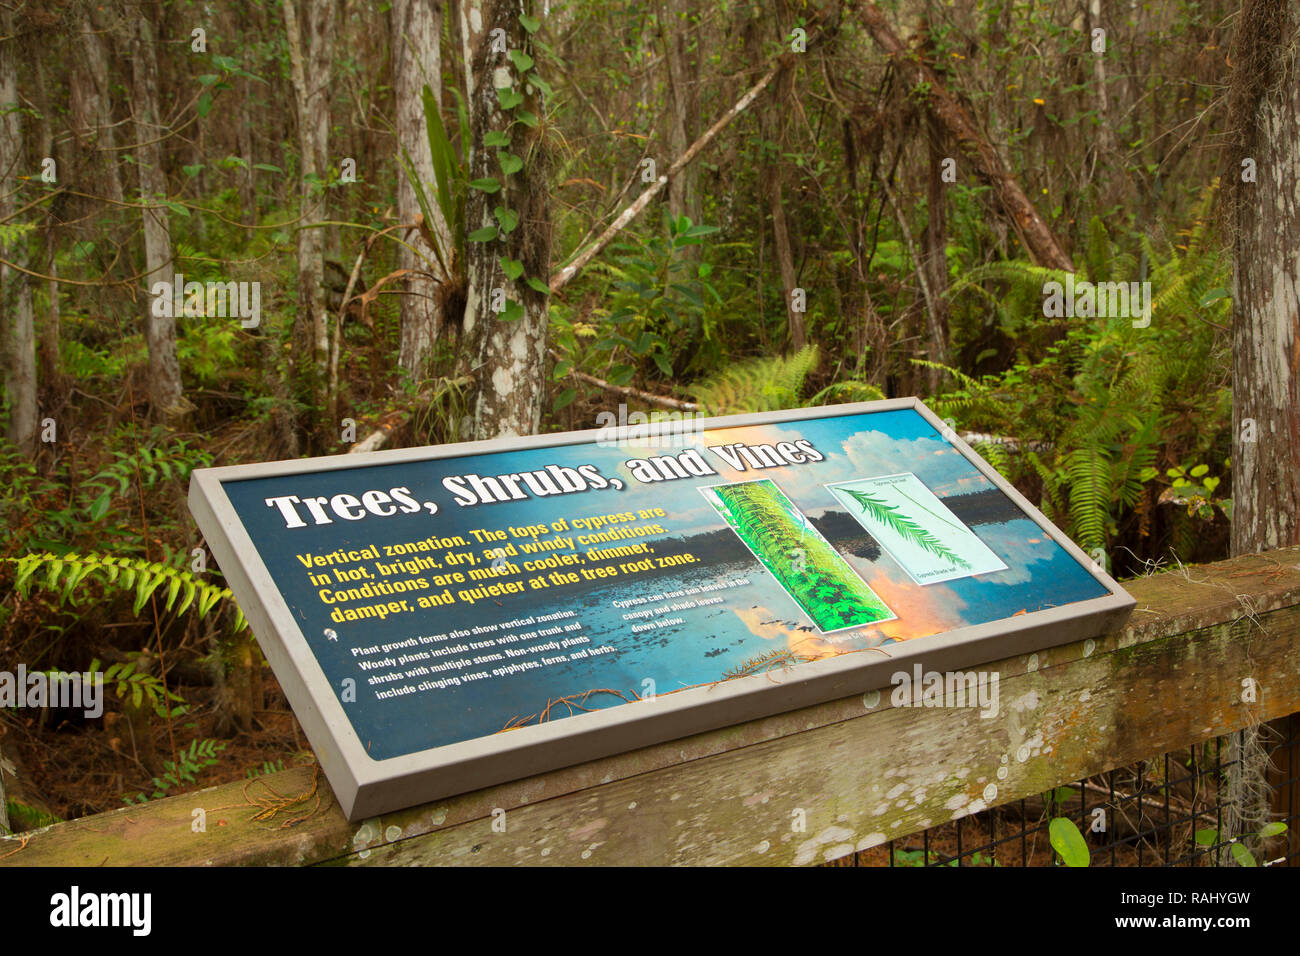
column 683, row 89
column 50, row 367
column 165, row 393
column 15, row 287
column 417, row 60
column 772, row 178
column 309, row 69
column 1264, row 100
column 798, row 330
column 506, row 349
column 934, row 255
column 94, row 116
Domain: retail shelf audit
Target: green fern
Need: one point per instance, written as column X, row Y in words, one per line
column 844, row 392
column 758, row 385
column 1093, row 417
column 200, row 755
column 151, row 465
column 64, row 574
column 136, row 686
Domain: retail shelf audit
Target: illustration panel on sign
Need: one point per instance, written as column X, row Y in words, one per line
column 906, row 518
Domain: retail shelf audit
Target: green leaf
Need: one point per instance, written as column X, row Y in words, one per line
column 537, row 285
column 100, row 507
column 508, row 218
column 486, row 234
column 508, row 97
column 540, row 84
column 267, row 167
column 1069, row 842
column 531, row 24
column 194, row 170
column 513, row 268
column 1273, row 829
column 496, row 138
column 513, row 311
column 522, row 61
column 1243, row 856
column 204, row 106
column 448, row 173
column 564, row 398
column 489, row 185
column 510, row 163
column 1207, row 837
column 527, row 118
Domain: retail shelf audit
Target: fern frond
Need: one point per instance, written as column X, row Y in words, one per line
column 131, row 575
column 758, row 385
column 904, row 526
column 845, row 392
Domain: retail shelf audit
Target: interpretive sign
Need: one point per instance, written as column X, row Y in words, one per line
column 447, row 618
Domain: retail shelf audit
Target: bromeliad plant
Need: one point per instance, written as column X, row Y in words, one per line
column 452, row 185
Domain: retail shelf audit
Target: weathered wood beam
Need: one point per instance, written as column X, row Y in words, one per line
column 861, row 771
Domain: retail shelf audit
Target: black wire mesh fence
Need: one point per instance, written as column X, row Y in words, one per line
column 1176, row 809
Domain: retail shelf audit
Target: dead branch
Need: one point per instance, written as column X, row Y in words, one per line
column 958, row 123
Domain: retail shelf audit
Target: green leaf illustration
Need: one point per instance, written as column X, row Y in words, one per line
column 903, row 525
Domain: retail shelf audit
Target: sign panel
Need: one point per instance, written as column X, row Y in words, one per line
column 447, row 618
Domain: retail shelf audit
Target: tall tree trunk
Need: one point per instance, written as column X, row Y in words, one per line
column 1264, row 100
column 165, row 393
column 417, row 60
column 1266, row 299
column 19, row 340
column 679, row 36
column 93, row 112
column 798, row 330
column 506, row 349
column 934, row 256
column 309, row 68
column 771, row 179
column 51, row 371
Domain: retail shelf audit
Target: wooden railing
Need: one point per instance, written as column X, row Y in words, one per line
column 854, row 772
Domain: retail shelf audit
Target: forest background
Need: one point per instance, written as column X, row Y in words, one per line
column 483, row 218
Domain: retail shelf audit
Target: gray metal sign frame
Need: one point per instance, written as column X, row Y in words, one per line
column 366, row 787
